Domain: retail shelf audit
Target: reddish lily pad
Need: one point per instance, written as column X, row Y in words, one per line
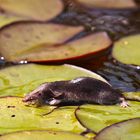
column 44, row 43
column 33, row 35
column 86, row 47
column 42, row 135
column 126, row 130
column 33, row 9
column 108, row 3
column 127, row 50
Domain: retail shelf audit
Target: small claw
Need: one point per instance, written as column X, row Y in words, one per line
column 124, row 104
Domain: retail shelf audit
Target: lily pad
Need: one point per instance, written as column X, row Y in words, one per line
column 42, row 135
column 126, row 130
column 127, row 50
column 33, row 9
column 15, row 116
column 96, row 117
column 41, row 42
column 132, row 96
column 86, row 47
column 6, row 19
column 90, row 135
column 36, row 39
column 108, row 3
column 20, row 80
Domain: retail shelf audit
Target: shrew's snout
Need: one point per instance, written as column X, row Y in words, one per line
column 27, row 99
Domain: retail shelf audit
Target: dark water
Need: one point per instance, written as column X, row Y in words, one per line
column 117, row 23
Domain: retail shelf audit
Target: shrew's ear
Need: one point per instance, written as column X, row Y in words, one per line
column 56, row 94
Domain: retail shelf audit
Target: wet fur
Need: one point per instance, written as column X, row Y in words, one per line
column 77, row 91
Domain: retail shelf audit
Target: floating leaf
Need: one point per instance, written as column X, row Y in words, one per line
column 127, row 50
column 108, row 3
column 33, row 9
column 89, row 46
column 90, row 135
column 126, row 130
column 44, row 42
column 21, row 79
column 42, row 135
column 97, row 117
column 132, row 96
column 33, row 35
column 15, row 116
column 6, row 19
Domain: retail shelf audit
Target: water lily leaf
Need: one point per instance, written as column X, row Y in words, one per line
column 82, row 48
column 132, row 96
column 33, row 9
column 42, row 135
column 41, row 42
column 36, row 39
column 6, row 19
column 15, row 116
column 89, row 135
column 108, row 3
column 21, row 79
column 126, row 130
column 127, row 50
column 97, row 117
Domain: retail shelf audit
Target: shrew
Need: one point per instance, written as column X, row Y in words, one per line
column 76, row 91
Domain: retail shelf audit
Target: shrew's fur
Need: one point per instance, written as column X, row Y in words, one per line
column 79, row 90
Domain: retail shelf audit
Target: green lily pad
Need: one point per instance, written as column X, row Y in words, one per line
column 41, row 42
column 6, row 19
column 42, row 135
column 20, row 80
column 108, row 3
column 90, row 135
column 127, row 50
column 132, row 96
column 126, row 130
column 15, row 116
column 33, row 9
column 97, row 117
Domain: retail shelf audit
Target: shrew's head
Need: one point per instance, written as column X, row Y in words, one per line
column 38, row 96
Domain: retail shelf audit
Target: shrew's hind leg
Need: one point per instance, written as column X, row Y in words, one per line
column 124, row 103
